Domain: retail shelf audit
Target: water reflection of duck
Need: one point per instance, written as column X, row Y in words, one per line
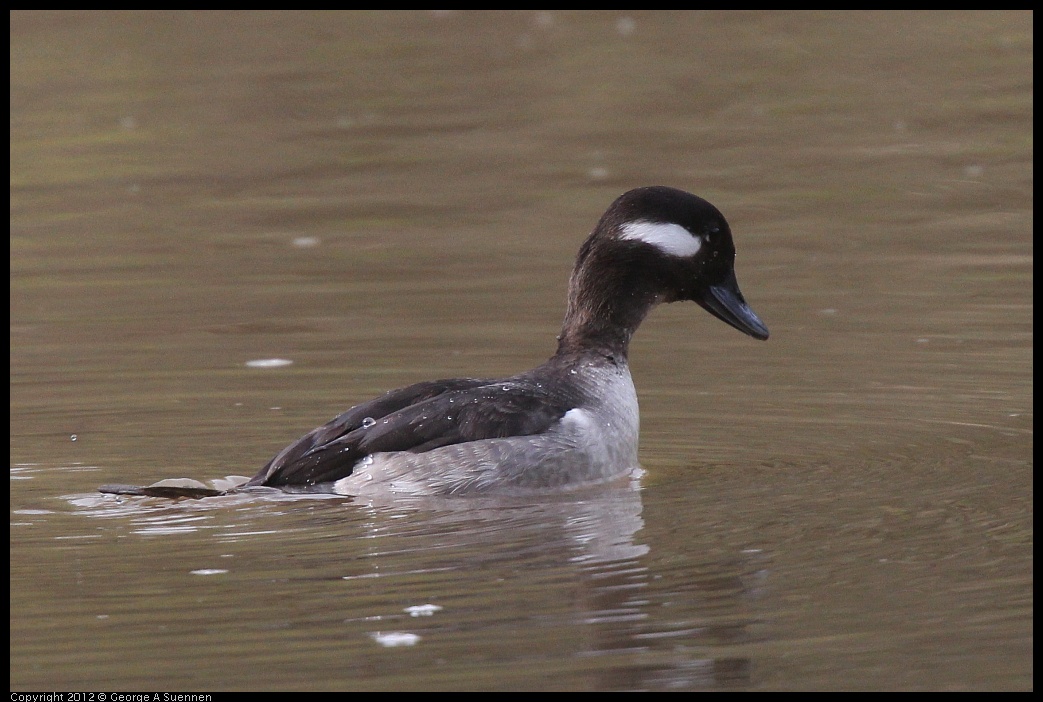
column 570, row 422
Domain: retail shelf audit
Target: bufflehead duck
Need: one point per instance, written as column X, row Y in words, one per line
column 570, row 422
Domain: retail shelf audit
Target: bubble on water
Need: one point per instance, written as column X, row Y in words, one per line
column 424, row 610
column 394, row 638
column 268, row 363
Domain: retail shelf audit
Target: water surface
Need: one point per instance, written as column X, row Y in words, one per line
column 383, row 198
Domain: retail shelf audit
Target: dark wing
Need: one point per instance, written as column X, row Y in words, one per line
column 417, row 418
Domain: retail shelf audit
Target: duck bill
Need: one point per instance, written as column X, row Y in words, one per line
column 725, row 302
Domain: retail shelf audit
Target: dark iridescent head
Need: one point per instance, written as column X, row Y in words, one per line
column 674, row 246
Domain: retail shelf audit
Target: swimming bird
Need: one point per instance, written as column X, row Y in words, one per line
column 568, row 423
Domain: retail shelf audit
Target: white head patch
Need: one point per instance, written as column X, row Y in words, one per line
column 672, row 239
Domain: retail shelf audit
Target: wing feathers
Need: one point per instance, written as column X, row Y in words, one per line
column 417, row 418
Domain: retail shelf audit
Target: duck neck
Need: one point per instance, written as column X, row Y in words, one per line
column 604, row 310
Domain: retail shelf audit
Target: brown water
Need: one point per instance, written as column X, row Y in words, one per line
column 383, row 198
